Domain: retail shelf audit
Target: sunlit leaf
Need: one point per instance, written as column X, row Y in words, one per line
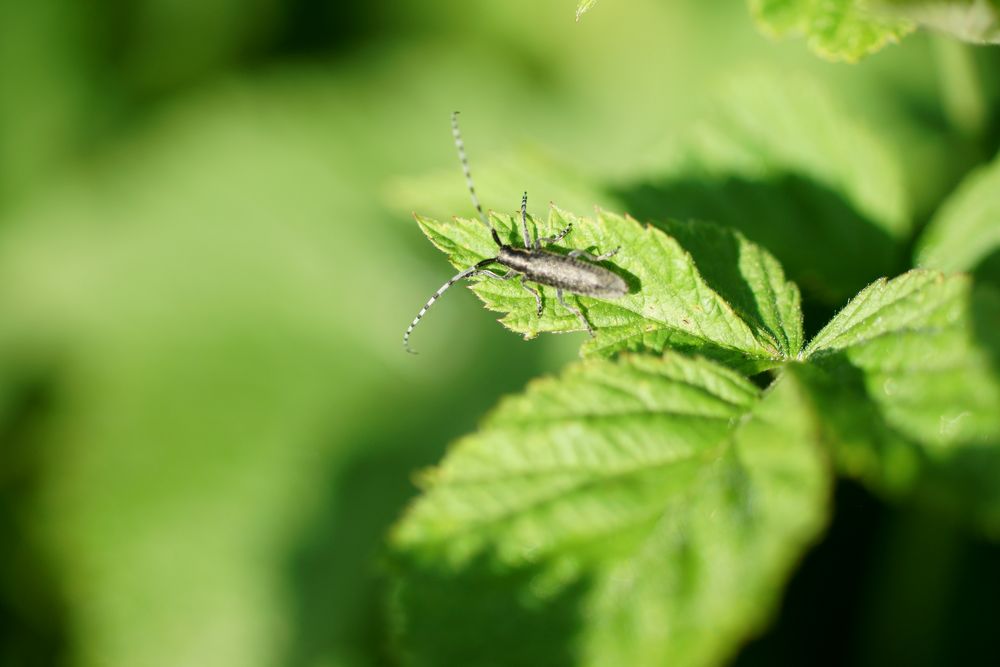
column 642, row 511
column 725, row 297
column 907, row 380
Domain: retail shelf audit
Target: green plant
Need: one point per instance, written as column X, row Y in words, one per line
column 672, row 485
column 647, row 505
column 208, row 428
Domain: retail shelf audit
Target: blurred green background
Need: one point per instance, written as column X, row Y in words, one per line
column 207, row 421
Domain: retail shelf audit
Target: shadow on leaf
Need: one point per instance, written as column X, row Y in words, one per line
column 484, row 616
column 988, row 269
column 826, row 246
column 960, row 480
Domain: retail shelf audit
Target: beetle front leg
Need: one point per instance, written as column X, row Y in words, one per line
column 575, row 311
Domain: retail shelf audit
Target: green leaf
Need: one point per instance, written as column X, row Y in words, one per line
column 976, row 21
column 906, row 376
column 844, row 30
column 583, row 7
column 784, row 162
column 641, row 511
column 915, row 300
column 724, row 297
column 914, row 340
column 965, row 233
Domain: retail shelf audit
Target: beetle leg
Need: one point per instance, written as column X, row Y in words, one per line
column 537, row 294
column 524, row 221
column 575, row 311
column 487, row 272
column 549, row 240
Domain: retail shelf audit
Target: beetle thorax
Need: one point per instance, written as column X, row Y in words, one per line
column 518, row 259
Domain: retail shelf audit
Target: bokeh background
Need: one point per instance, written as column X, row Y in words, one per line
column 207, row 260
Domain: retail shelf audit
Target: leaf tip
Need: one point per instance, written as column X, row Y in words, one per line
column 425, row 478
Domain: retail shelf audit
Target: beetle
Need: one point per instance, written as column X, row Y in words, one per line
column 575, row 272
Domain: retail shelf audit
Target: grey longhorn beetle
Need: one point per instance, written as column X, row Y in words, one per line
column 573, row 272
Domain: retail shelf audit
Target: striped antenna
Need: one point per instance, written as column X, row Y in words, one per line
column 460, row 145
column 524, row 220
column 471, row 271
